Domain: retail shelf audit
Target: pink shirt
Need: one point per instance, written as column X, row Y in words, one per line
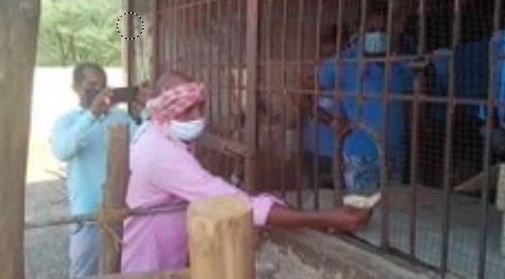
column 165, row 173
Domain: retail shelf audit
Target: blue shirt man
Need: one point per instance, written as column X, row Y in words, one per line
column 80, row 139
column 360, row 149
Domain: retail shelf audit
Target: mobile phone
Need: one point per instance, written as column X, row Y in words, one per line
column 124, row 94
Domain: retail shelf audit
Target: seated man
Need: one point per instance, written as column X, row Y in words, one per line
column 360, row 148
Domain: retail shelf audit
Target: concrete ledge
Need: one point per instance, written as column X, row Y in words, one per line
column 303, row 254
column 309, row 254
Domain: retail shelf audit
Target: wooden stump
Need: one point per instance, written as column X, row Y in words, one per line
column 221, row 239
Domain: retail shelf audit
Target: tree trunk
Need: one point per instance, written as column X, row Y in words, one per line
column 18, row 44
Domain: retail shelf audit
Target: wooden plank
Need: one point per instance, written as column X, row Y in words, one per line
column 222, row 145
column 115, row 197
column 476, row 182
column 252, row 79
column 18, row 42
column 221, row 239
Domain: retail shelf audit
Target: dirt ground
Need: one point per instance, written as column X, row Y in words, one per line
column 46, row 248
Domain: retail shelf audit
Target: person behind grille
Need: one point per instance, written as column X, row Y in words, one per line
column 471, row 76
column 360, row 148
column 165, row 172
column 325, row 120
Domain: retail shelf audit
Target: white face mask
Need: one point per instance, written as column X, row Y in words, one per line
column 187, row 131
column 375, row 43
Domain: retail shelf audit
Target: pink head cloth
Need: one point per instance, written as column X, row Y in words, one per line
column 175, row 101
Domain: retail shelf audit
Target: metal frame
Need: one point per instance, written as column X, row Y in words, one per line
column 212, row 38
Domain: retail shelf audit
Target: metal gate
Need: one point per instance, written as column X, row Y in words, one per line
column 207, row 40
column 265, row 64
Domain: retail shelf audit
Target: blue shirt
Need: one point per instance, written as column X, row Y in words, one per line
column 80, row 139
column 499, row 58
column 471, row 75
column 373, row 80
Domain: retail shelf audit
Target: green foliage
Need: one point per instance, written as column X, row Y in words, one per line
column 74, row 31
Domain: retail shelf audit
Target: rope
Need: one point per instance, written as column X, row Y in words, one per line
column 108, row 216
column 105, row 217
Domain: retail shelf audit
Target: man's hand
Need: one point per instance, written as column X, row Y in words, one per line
column 348, row 220
column 145, row 92
column 101, row 102
column 136, row 107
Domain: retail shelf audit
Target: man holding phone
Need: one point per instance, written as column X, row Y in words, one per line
column 80, row 139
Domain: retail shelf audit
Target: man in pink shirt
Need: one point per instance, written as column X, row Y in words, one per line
column 166, row 174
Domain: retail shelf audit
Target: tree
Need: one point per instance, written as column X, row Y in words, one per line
column 74, row 31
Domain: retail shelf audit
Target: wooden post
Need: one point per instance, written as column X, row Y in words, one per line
column 115, row 196
column 18, row 44
column 129, row 59
column 221, row 239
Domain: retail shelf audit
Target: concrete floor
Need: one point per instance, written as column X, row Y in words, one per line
column 463, row 235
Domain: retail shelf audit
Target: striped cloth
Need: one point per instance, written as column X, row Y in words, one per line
column 175, row 101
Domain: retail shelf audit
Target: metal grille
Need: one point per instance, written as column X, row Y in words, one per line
column 428, row 104
column 206, row 39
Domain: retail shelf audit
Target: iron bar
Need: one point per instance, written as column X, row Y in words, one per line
column 267, row 98
column 315, row 163
column 384, row 179
column 337, row 168
column 284, row 160
column 487, row 144
column 157, row 40
column 252, row 71
column 299, row 118
column 403, row 98
column 178, row 7
column 227, row 74
column 362, row 63
column 210, row 107
column 448, row 141
column 418, row 86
